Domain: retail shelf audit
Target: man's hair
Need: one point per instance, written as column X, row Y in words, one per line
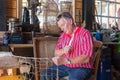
column 65, row 15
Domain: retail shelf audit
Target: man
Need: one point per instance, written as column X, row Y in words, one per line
column 73, row 52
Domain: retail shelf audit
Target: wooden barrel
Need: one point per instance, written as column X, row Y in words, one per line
column 65, row 6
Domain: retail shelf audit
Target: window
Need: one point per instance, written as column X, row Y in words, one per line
column 108, row 13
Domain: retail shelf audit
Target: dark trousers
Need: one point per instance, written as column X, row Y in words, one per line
column 56, row 72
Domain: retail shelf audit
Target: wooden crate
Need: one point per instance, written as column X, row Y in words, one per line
column 43, row 48
column 15, row 77
column 9, row 72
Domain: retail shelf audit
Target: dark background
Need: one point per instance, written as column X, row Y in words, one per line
column 2, row 15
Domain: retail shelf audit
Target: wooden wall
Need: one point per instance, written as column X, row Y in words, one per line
column 77, row 11
column 11, row 9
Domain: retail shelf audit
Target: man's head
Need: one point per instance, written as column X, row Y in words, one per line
column 65, row 22
column 66, row 15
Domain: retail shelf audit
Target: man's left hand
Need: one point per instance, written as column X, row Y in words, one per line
column 59, row 60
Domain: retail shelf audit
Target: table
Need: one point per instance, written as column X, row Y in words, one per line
column 110, row 43
column 113, row 45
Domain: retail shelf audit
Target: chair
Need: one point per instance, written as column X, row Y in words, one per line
column 43, row 48
column 97, row 53
column 97, row 45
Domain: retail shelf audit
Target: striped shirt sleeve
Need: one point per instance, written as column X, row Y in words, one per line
column 87, row 44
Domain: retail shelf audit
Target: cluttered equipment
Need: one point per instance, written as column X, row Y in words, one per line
column 14, row 67
column 14, row 34
column 9, row 66
column 110, row 35
column 106, row 35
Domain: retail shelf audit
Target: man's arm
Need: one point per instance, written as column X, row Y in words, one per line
column 77, row 60
column 58, row 52
column 80, row 59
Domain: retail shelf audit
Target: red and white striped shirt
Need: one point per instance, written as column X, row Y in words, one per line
column 81, row 44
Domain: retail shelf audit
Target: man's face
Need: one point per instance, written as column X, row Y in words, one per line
column 63, row 24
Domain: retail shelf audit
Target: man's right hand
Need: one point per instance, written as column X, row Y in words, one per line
column 66, row 49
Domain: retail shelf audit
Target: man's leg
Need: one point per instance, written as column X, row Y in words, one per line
column 78, row 73
column 54, row 72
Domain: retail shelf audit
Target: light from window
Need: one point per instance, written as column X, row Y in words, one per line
column 108, row 13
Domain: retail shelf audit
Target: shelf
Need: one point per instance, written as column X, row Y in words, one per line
column 13, row 46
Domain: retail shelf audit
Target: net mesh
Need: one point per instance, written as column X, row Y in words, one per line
column 29, row 67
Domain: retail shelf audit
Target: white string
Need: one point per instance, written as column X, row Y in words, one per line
column 30, row 57
column 71, row 40
column 70, row 43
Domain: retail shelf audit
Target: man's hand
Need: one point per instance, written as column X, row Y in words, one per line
column 59, row 60
column 66, row 49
